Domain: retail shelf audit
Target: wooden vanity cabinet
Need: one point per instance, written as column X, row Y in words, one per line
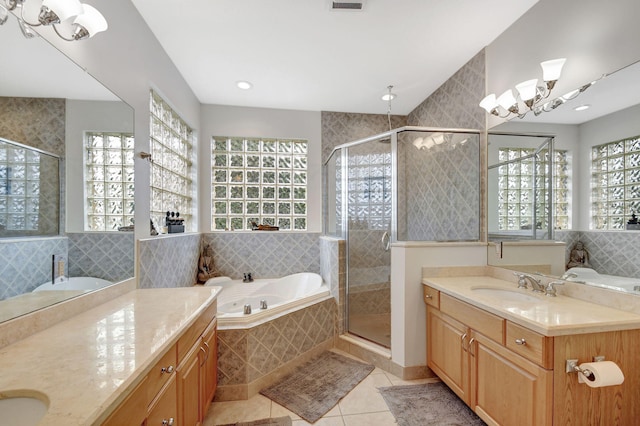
column 179, row 388
column 466, row 349
column 197, row 377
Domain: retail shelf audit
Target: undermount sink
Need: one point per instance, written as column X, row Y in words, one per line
column 506, row 294
column 21, row 410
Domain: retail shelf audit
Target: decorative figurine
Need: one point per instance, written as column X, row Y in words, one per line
column 579, row 257
column 206, row 266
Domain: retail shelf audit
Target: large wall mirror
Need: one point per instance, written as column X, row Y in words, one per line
column 66, row 178
column 597, row 186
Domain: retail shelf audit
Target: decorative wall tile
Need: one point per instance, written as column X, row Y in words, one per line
column 168, row 261
column 245, row 356
column 264, row 254
column 610, row 253
column 26, row 264
column 106, row 255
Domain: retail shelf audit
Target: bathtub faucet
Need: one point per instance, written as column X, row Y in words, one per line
column 247, row 278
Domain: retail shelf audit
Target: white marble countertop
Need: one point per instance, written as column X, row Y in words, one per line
column 550, row 316
column 83, row 366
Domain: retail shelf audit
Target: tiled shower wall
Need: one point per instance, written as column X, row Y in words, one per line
column 264, row 254
column 25, row 264
column 610, row 253
column 333, row 272
column 106, row 255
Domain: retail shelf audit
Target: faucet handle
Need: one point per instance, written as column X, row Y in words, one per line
column 522, row 282
column 550, row 290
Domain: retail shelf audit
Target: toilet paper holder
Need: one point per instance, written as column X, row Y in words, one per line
column 572, row 367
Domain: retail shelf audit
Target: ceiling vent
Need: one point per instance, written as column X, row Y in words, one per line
column 344, row 5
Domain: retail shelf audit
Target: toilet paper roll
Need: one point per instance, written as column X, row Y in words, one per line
column 604, row 373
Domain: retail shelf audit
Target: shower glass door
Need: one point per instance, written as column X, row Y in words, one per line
column 368, row 223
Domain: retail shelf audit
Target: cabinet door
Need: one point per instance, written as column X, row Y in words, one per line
column 133, row 410
column 163, row 410
column 447, row 355
column 189, row 383
column 508, row 389
column 210, row 367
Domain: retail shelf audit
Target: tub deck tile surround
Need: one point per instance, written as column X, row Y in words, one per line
column 250, row 356
column 109, row 347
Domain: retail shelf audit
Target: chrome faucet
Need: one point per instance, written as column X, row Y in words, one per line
column 536, row 285
column 550, row 289
column 535, row 282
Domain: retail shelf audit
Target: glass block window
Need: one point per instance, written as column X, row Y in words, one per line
column 171, row 151
column 369, row 186
column 19, row 188
column 521, row 182
column 258, row 180
column 615, row 183
column 109, row 180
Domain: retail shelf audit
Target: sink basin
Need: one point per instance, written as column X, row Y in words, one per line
column 22, row 410
column 506, row 294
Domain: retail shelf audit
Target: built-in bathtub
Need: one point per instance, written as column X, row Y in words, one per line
column 74, row 283
column 280, row 295
column 255, row 349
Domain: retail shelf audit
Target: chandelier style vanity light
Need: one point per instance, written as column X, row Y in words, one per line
column 70, row 19
column 530, row 95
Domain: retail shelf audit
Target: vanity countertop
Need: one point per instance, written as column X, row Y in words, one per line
column 550, row 316
column 84, row 365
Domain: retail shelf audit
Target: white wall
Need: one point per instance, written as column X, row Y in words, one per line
column 408, row 311
column 219, row 120
column 83, row 116
column 129, row 61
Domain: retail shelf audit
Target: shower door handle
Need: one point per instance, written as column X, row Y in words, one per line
column 386, row 241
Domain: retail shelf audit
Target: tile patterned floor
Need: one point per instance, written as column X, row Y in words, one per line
column 363, row 406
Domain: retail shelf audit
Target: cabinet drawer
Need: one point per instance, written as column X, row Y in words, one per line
column 133, row 410
column 165, row 407
column 431, row 296
column 187, row 340
column 161, row 373
column 531, row 345
column 483, row 322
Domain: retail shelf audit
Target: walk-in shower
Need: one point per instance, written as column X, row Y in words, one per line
column 408, row 184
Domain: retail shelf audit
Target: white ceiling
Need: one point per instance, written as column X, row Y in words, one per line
column 299, row 54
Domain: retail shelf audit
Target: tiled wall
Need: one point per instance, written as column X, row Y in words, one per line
column 107, row 255
column 25, row 264
column 333, row 272
column 610, row 253
column 245, row 356
column 168, row 261
column 264, row 254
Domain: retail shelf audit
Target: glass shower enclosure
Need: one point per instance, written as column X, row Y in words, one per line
column 408, row 184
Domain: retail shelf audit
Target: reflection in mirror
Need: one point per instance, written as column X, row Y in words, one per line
column 597, row 215
column 29, row 191
column 520, row 184
column 48, row 103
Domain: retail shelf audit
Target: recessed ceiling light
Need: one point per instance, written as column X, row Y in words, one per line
column 244, row 85
column 388, row 96
column 581, row 107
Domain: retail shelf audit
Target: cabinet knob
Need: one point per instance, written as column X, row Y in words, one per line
column 428, row 296
column 167, row 370
column 521, row 342
column 168, row 422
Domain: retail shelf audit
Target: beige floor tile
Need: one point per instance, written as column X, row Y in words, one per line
column 325, row 421
column 365, row 398
column 257, row 407
column 396, row 381
column 384, row 418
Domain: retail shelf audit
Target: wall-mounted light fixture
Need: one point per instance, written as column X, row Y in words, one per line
column 530, row 95
column 80, row 21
